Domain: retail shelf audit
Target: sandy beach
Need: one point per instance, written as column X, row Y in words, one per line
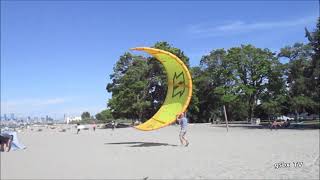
column 128, row 153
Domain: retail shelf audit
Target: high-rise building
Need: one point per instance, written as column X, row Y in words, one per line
column 5, row 117
column 36, row 119
column 12, row 116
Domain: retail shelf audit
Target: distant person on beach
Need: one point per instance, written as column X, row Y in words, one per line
column 183, row 121
column 5, row 143
column 9, row 141
column 113, row 124
column 94, row 126
column 78, row 128
column 276, row 125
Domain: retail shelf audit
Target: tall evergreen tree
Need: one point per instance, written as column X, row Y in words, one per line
column 313, row 70
column 299, row 56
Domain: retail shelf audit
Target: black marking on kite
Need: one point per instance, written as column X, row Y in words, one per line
column 178, row 80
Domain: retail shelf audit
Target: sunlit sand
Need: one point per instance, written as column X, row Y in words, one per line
column 128, row 153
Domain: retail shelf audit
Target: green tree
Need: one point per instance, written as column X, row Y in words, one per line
column 221, row 83
column 129, row 87
column 203, row 84
column 273, row 101
column 85, row 116
column 228, row 85
column 313, row 70
column 252, row 67
column 299, row 92
column 194, row 109
column 104, row 115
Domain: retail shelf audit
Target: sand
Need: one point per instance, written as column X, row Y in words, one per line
column 127, row 153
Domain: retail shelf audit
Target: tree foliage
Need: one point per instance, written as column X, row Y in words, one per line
column 300, row 92
column 85, row 115
column 313, row 69
column 104, row 115
column 248, row 81
column 129, row 87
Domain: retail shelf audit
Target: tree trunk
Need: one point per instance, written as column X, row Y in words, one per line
column 251, row 107
column 225, row 116
column 297, row 115
column 250, row 111
column 140, row 116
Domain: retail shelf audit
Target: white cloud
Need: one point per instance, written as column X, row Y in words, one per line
column 236, row 27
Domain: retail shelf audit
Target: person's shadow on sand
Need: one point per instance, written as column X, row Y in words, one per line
column 142, row 144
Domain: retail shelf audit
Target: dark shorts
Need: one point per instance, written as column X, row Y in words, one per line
column 4, row 139
column 182, row 132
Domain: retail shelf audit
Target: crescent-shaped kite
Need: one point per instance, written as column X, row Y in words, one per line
column 179, row 90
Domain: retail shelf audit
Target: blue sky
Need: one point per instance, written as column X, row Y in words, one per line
column 56, row 57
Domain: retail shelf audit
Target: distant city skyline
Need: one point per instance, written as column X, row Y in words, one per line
column 13, row 116
column 56, row 56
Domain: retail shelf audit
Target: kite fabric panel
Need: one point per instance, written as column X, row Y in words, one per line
column 178, row 94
